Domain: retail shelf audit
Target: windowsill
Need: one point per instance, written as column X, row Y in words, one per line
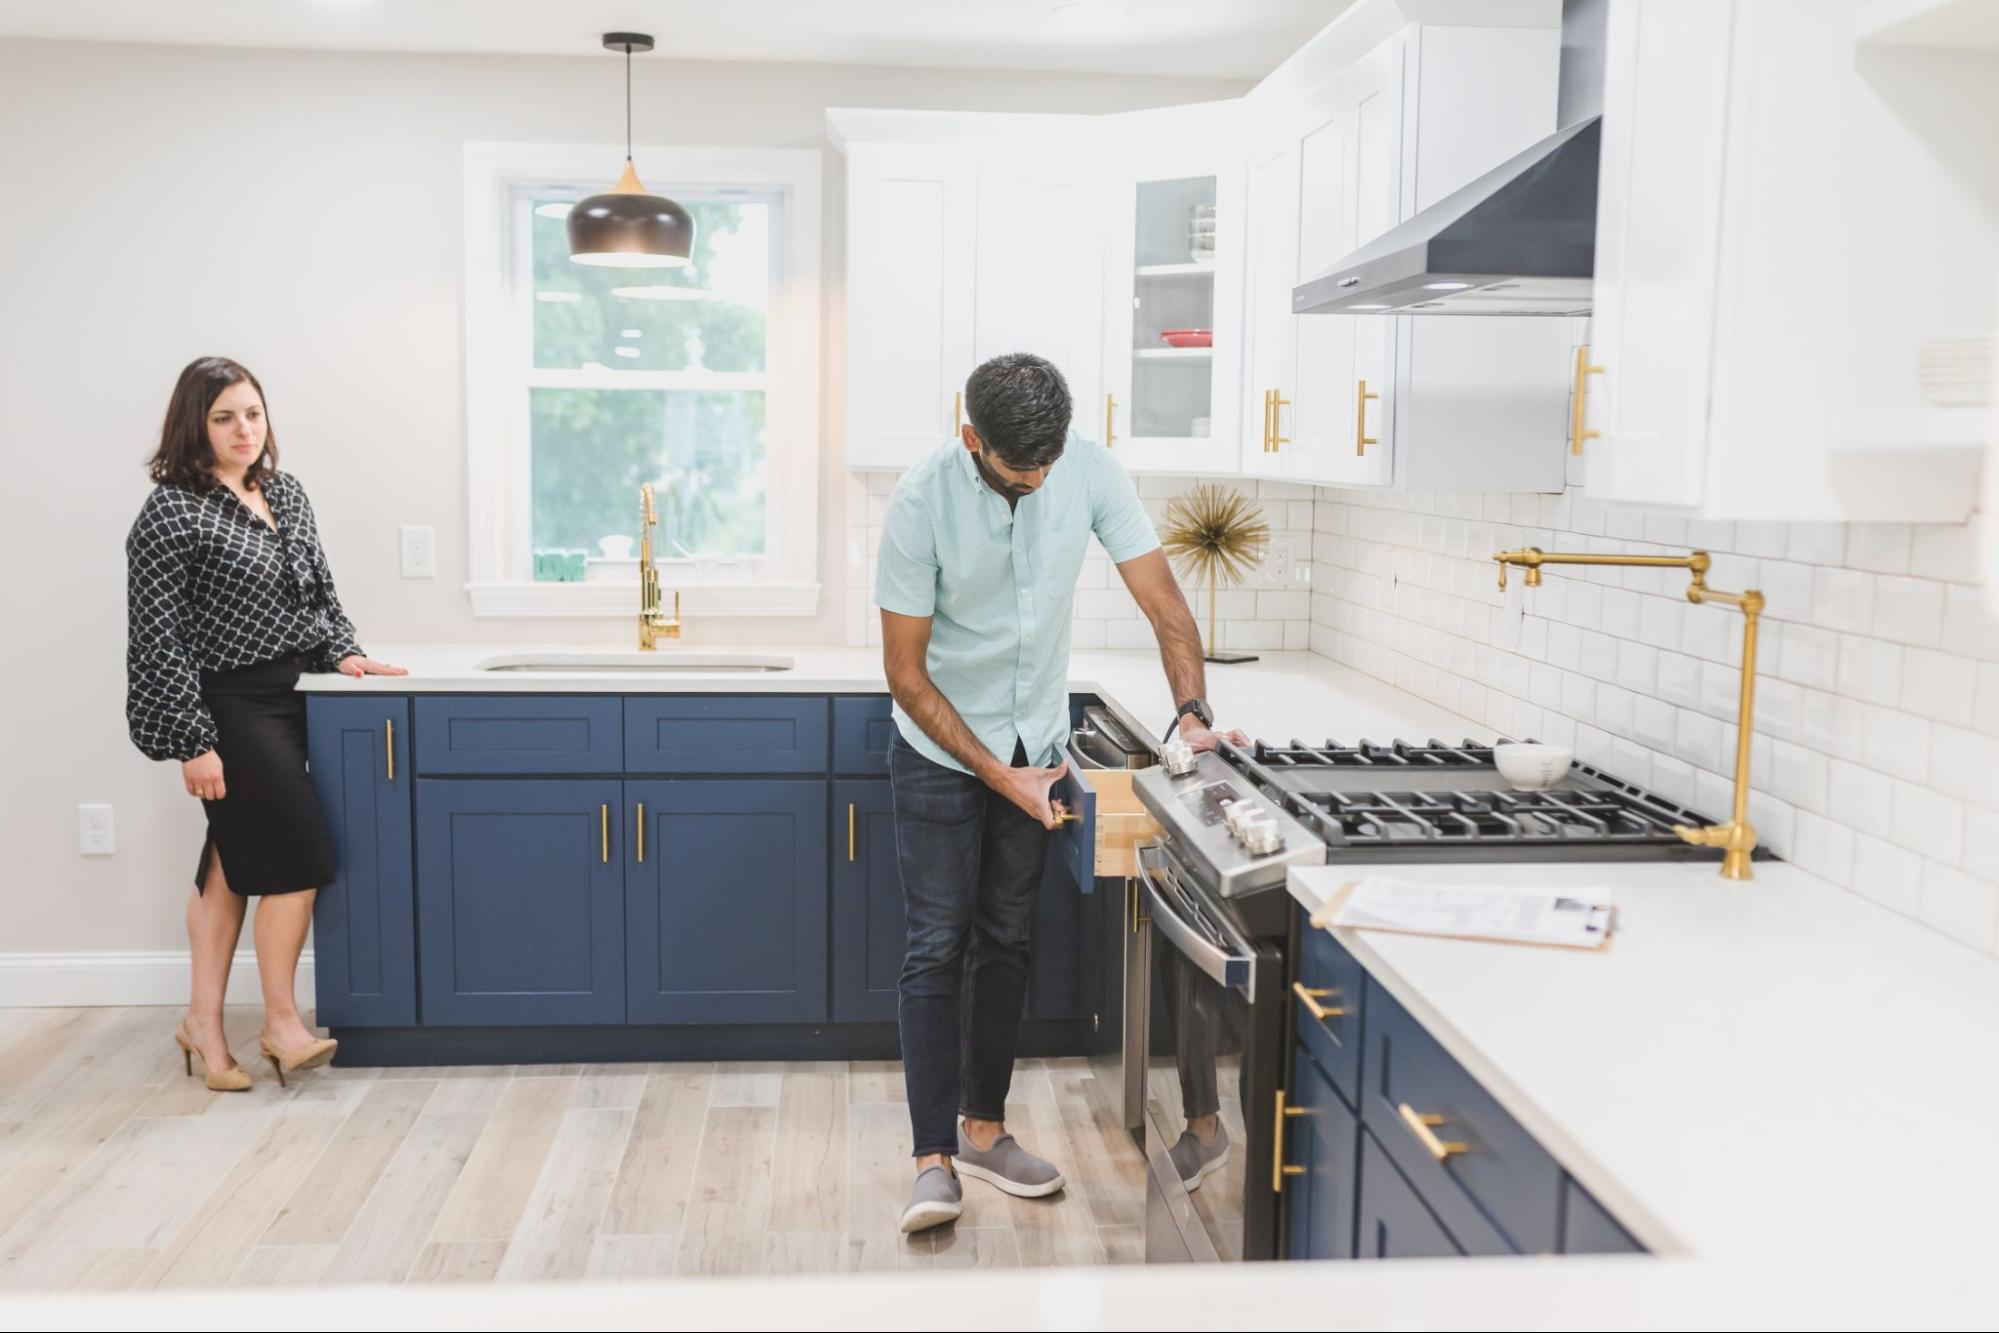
column 606, row 600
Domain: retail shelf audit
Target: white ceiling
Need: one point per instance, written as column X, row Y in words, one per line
column 1243, row 39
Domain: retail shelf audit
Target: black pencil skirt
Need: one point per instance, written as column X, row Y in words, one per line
column 266, row 827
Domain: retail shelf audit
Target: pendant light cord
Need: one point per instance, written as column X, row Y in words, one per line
column 628, row 101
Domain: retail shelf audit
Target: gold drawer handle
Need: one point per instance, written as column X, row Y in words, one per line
column 642, row 831
column 1311, row 998
column 1361, row 439
column 604, row 830
column 1063, row 814
column 1424, row 1128
column 1278, row 402
column 1110, row 421
column 850, row 832
column 389, row 745
column 1278, row 1167
column 958, row 413
column 1577, row 431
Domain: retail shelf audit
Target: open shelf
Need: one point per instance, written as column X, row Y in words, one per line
column 1188, row 270
column 1175, row 354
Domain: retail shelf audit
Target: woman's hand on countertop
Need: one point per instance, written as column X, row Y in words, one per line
column 357, row 667
column 203, row 776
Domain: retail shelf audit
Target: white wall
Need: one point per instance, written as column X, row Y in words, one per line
column 301, row 212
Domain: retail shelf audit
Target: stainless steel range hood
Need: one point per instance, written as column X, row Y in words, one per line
column 1519, row 240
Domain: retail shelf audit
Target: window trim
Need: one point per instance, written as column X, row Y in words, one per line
column 497, row 487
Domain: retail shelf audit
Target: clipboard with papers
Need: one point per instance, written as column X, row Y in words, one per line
column 1570, row 919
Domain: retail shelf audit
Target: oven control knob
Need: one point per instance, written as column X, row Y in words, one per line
column 1262, row 836
column 1178, row 757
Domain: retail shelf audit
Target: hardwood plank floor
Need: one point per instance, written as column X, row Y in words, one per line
column 118, row 1171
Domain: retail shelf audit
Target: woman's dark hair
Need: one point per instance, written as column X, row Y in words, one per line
column 185, row 458
column 1019, row 404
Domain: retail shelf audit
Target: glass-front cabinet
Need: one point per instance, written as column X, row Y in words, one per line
column 1173, row 257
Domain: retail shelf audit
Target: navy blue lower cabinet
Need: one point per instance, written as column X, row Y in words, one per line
column 1588, row 1229
column 870, row 926
column 863, row 729
column 1053, row 989
column 520, row 901
column 1322, row 1139
column 534, row 735
column 726, row 733
column 364, row 921
column 1394, row 1223
column 725, row 914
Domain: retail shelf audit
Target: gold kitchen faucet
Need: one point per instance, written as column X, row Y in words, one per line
column 1737, row 837
column 654, row 623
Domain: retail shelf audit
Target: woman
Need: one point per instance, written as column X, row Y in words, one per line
column 229, row 599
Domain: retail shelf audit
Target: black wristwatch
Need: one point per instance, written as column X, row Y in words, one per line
column 1199, row 708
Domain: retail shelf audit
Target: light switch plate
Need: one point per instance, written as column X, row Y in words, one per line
column 419, row 552
column 94, row 835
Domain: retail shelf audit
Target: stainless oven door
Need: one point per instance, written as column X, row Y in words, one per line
column 1213, row 1037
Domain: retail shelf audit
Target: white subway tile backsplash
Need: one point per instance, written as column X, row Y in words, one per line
column 1659, row 623
column 1823, row 847
column 1799, row 775
column 1890, row 875
column 1881, row 547
column 1655, row 723
column 1843, row 599
column 1981, row 843
column 1939, row 686
column 1638, row 667
column 1959, row 905
column 1966, row 763
column 1870, row 669
column 1859, row 797
column 1968, row 626
column 1909, row 610
column 1815, row 543
column 1679, row 680
column 1622, row 610
column 1895, row 742
column 1947, row 551
column 1985, row 713
column 1927, row 822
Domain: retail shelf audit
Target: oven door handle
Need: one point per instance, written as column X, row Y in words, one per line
column 1231, row 970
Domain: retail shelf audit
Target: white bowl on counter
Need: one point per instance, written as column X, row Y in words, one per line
column 1531, row 766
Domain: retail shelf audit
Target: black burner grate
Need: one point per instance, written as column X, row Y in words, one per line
column 1396, row 754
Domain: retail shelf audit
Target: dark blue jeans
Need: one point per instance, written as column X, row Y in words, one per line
column 970, row 861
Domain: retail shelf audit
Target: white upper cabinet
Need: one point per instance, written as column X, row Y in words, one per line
column 967, row 237
column 912, row 265
column 1375, row 119
column 1795, row 256
column 1173, row 288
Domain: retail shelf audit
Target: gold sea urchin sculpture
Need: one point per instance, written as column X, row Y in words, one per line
column 1215, row 533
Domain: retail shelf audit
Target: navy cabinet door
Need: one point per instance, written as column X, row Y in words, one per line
column 364, row 922
column 870, row 928
column 725, row 917
column 1323, row 1139
column 1588, row 1229
column 863, row 729
column 521, row 900
column 1394, row 1223
column 537, row 735
column 1053, row 992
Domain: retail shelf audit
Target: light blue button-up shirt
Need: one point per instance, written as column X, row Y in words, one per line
column 999, row 583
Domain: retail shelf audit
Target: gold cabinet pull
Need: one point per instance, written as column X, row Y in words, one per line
column 1311, row 998
column 1132, row 901
column 604, row 831
column 642, row 830
column 1424, row 1128
column 958, row 412
column 1278, row 1168
column 1110, row 421
column 1278, row 402
column 389, row 744
column 1361, row 439
column 1579, row 399
column 1266, row 420
column 850, row 832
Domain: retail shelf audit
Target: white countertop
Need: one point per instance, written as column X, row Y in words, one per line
column 1781, row 1085
column 1265, row 698
column 1777, row 1070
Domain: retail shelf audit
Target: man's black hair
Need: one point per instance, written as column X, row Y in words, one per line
column 1019, row 404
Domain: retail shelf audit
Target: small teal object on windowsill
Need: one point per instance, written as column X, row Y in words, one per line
column 559, row 566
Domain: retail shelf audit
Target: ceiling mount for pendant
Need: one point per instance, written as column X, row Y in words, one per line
column 626, row 227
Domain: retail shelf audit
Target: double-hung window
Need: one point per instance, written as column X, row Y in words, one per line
column 583, row 383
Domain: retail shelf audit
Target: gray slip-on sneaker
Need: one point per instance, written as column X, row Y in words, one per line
column 1008, row 1166
column 934, row 1201
column 1196, row 1161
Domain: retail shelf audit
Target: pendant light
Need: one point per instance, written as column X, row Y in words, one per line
column 626, row 227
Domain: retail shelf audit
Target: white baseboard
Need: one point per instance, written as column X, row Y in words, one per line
column 135, row 976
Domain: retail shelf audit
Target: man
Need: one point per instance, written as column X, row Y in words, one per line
column 980, row 553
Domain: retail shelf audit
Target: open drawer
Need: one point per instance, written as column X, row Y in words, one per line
column 1102, row 841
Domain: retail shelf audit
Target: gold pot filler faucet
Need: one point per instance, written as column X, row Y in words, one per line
column 654, row 624
column 1737, row 838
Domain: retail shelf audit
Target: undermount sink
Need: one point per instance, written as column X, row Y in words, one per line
column 628, row 663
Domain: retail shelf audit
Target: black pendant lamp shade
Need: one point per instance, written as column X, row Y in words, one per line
column 627, row 227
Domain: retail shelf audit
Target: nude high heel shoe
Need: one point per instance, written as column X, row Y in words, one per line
column 311, row 1055
column 218, row 1080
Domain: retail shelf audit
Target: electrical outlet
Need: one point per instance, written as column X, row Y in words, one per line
column 420, row 552
column 93, row 830
column 1278, row 563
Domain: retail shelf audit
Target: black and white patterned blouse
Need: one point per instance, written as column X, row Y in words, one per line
column 211, row 587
